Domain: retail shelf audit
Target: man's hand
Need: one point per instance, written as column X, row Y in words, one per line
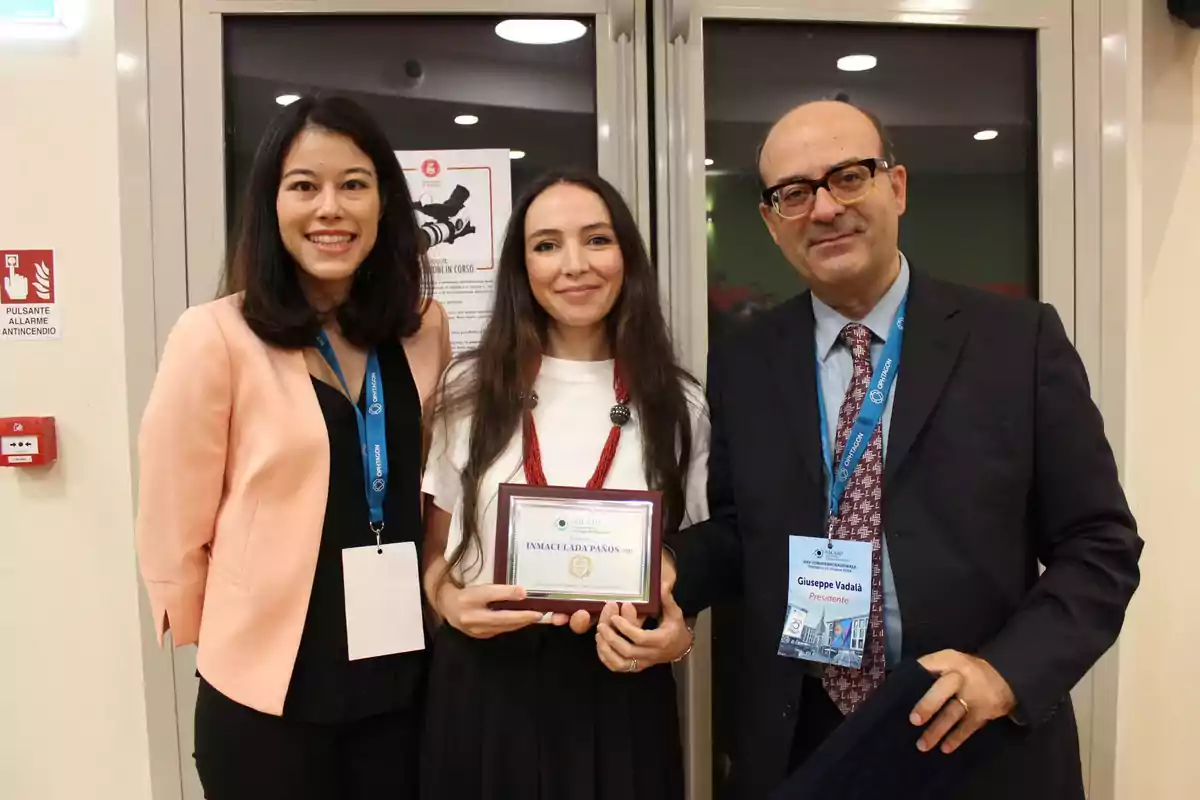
column 968, row 694
column 581, row 622
column 624, row 646
column 667, row 575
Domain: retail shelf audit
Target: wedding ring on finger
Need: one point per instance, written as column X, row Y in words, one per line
column 632, row 665
column 963, row 703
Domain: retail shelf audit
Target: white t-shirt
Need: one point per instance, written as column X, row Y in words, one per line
column 574, row 399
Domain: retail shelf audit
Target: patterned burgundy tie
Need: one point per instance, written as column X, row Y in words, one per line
column 860, row 519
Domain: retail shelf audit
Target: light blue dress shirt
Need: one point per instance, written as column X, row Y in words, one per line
column 836, row 366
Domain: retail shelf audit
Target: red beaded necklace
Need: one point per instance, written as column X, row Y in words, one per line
column 619, row 414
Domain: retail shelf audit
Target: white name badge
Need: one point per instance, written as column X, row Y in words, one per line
column 829, row 601
column 383, row 600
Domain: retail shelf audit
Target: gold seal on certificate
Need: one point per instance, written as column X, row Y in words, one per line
column 573, row 549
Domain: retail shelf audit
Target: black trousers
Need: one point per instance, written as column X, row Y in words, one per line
column 243, row 754
column 816, row 719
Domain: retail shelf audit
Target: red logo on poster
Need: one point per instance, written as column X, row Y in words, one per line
column 26, row 277
column 430, row 168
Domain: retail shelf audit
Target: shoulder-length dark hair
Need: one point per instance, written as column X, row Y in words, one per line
column 498, row 373
column 388, row 293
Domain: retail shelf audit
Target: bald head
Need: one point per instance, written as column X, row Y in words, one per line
column 844, row 243
column 830, row 118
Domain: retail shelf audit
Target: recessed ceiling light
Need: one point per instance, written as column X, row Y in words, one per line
column 540, row 31
column 515, row 154
column 466, row 119
column 708, row 162
column 287, row 99
column 986, row 136
column 857, row 63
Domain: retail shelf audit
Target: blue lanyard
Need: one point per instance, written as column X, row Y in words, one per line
column 869, row 414
column 372, row 432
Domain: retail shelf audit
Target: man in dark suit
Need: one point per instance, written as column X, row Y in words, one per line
column 988, row 459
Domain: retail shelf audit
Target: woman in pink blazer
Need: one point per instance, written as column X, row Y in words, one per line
column 281, row 457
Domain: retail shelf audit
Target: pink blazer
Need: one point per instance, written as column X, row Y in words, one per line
column 234, row 461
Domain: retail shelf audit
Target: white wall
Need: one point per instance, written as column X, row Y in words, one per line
column 1159, row 704
column 73, row 721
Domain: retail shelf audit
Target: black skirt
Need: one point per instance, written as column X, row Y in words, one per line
column 535, row 715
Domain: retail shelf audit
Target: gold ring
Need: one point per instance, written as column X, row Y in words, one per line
column 963, row 703
column 632, row 665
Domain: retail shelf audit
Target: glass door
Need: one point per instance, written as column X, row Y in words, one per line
column 436, row 75
column 977, row 99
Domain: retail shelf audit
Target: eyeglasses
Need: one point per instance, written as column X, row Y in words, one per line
column 848, row 184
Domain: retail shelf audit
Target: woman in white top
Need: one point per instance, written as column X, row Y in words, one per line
column 534, row 711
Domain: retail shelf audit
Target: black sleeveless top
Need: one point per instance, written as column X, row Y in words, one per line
column 326, row 686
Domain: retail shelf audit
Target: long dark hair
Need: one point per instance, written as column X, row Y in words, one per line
column 388, row 293
column 497, row 374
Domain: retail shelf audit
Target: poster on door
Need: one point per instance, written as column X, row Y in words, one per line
column 28, row 308
column 463, row 199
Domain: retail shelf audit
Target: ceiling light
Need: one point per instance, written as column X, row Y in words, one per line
column 515, row 154
column 540, row 31
column 287, row 99
column 857, row 63
column 986, row 136
column 466, row 119
column 708, row 162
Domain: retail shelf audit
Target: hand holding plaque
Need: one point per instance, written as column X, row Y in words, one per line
column 576, row 549
column 471, row 609
column 623, row 645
